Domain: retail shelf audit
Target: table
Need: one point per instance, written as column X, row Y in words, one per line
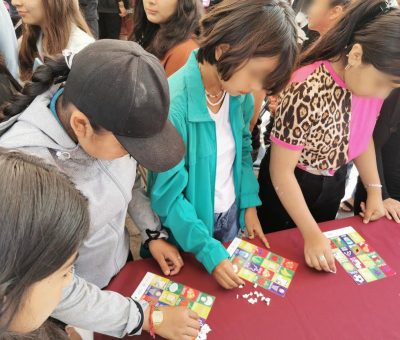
column 320, row 306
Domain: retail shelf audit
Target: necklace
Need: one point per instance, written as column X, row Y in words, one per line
column 217, row 102
column 214, row 95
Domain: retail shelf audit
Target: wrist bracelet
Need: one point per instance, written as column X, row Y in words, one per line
column 376, row 186
column 151, row 324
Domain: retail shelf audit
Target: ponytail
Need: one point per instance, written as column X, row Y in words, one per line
column 53, row 71
column 373, row 24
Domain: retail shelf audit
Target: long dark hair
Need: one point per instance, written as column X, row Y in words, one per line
column 44, row 220
column 53, row 71
column 257, row 28
column 8, row 85
column 157, row 39
column 371, row 23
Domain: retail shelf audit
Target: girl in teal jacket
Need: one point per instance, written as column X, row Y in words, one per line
column 212, row 195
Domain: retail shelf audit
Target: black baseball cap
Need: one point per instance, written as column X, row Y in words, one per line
column 123, row 89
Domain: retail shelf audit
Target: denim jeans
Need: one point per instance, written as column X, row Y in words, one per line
column 226, row 224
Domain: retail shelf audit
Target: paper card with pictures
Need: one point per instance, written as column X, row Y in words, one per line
column 164, row 292
column 357, row 257
column 261, row 266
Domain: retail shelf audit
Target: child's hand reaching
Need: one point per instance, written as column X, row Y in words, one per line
column 179, row 323
column 253, row 226
column 226, row 276
column 318, row 252
column 167, row 256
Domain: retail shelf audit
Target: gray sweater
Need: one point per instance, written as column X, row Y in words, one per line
column 109, row 187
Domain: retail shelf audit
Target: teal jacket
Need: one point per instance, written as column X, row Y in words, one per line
column 183, row 197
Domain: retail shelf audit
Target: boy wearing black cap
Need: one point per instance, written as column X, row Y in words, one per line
column 111, row 114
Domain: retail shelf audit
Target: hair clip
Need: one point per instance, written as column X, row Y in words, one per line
column 386, row 6
column 69, row 57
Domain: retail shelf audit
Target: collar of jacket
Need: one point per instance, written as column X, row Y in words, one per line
column 197, row 103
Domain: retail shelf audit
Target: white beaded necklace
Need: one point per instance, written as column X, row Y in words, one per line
column 218, row 102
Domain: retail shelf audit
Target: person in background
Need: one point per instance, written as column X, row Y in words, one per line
column 211, row 196
column 89, row 10
column 87, row 135
column 325, row 14
column 111, row 13
column 168, row 29
column 44, row 223
column 387, row 147
column 326, row 119
column 50, row 26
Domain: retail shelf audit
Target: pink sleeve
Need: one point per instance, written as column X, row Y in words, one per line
column 286, row 145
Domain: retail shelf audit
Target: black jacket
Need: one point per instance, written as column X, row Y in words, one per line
column 111, row 6
column 89, row 9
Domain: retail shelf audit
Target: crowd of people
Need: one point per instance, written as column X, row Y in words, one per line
column 81, row 110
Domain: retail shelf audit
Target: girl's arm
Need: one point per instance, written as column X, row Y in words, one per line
column 249, row 198
column 367, row 168
column 317, row 250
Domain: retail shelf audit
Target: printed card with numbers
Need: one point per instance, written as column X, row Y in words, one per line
column 164, row 292
column 262, row 267
column 357, row 257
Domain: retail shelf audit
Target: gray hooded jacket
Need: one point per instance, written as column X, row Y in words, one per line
column 109, row 187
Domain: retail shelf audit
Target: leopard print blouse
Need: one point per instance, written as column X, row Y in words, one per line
column 315, row 117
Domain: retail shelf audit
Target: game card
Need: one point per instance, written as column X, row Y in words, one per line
column 357, row 257
column 262, row 267
column 164, row 292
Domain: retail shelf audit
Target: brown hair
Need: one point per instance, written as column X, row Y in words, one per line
column 157, row 39
column 60, row 16
column 256, row 28
column 372, row 24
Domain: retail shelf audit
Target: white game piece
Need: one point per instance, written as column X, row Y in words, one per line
column 237, row 296
column 245, row 296
column 251, row 294
column 241, row 286
column 255, row 285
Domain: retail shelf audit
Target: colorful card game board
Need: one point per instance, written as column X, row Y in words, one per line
column 357, row 258
column 164, row 292
column 262, row 267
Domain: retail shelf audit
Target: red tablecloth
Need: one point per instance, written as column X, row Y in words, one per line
column 319, row 306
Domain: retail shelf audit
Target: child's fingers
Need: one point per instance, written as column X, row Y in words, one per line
column 308, row 261
column 323, row 263
column 262, row 237
column 315, row 263
column 250, row 232
column 367, row 216
column 163, row 265
column 388, row 215
column 330, row 260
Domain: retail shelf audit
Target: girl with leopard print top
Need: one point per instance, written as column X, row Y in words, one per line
column 326, row 119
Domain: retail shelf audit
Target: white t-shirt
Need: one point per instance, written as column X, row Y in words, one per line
column 226, row 152
column 77, row 41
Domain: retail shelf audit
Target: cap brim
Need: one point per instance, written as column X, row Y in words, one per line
column 158, row 153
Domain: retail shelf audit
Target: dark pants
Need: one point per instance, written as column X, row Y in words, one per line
column 109, row 25
column 322, row 194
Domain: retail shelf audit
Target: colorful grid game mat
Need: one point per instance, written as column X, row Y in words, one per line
column 262, row 267
column 357, row 257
